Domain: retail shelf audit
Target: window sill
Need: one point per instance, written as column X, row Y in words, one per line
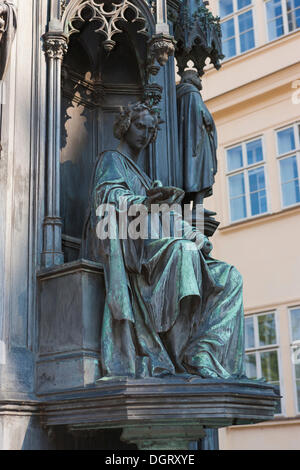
column 269, row 216
column 266, row 45
column 278, row 420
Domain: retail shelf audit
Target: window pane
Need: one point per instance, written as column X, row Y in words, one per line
column 295, row 323
column 237, row 197
column 236, row 185
column 269, row 366
column 274, row 9
column 292, row 4
column 290, row 181
column 243, row 3
column 258, row 196
column 298, row 393
column 254, row 151
column 297, row 375
column 288, row 169
column 238, row 208
column 247, row 40
column 275, row 28
column 250, row 365
column 266, row 329
column 256, row 179
column 258, row 202
column 290, row 193
column 249, row 333
column 228, row 29
column 294, row 19
column 286, row 140
column 234, row 158
column 229, row 49
column 245, row 21
column 226, row 7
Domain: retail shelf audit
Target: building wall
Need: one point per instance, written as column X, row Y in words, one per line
column 252, row 96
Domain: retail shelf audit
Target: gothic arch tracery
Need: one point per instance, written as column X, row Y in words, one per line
column 108, row 15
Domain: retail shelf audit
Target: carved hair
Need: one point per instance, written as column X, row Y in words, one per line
column 130, row 114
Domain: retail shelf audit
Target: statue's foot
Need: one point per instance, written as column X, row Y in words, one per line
column 206, row 373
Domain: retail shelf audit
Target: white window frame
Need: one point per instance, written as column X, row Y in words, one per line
column 294, row 345
column 271, row 347
column 285, row 21
column 245, row 169
column 291, row 153
column 236, row 36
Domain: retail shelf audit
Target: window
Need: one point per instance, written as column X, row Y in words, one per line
column 246, row 180
column 295, row 349
column 288, row 152
column 283, row 16
column 237, row 26
column 262, row 350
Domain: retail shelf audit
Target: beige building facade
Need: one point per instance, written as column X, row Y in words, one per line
column 255, row 101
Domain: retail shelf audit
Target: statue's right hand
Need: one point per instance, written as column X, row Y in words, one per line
column 165, row 195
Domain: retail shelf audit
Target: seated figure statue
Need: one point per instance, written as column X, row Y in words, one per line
column 170, row 308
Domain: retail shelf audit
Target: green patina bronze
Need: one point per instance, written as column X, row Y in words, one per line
column 170, row 307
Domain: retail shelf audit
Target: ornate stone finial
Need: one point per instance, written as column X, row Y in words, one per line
column 55, row 46
column 198, row 35
column 63, row 6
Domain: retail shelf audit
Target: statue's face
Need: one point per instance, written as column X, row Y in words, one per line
column 140, row 132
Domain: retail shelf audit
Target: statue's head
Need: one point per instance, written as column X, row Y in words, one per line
column 192, row 76
column 137, row 124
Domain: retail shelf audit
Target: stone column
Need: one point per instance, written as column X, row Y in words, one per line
column 55, row 47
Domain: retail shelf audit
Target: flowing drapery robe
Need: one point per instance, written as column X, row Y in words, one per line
column 197, row 140
column 168, row 310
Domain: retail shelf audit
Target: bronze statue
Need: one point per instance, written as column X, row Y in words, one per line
column 170, row 308
column 197, row 139
column 8, row 26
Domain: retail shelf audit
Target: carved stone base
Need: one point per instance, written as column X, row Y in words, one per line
column 162, row 414
column 159, row 437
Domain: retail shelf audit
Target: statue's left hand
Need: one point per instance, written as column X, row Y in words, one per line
column 207, row 247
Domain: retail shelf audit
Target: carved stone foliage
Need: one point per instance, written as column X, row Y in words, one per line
column 55, row 47
column 198, row 36
column 152, row 94
column 63, row 5
column 109, row 15
column 161, row 46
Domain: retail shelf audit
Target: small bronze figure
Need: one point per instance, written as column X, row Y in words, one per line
column 197, row 139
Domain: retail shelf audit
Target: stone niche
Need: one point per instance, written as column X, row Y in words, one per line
column 71, row 301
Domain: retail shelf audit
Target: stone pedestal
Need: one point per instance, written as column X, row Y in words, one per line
column 71, row 302
column 153, row 413
column 161, row 414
